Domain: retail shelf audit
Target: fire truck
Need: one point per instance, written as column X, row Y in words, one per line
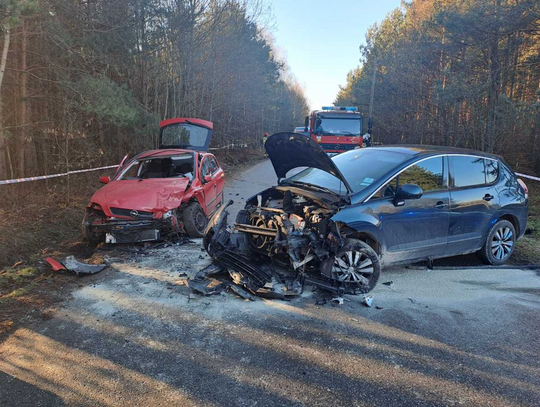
column 335, row 128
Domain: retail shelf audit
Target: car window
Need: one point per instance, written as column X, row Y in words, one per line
column 213, row 165
column 388, row 190
column 427, row 174
column 492, row 170
column 205, row 168
column 361, row 168
column 467, row 171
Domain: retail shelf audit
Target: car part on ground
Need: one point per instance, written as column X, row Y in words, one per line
column 71, row 264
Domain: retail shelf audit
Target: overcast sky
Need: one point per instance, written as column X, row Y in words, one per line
column 320, row 39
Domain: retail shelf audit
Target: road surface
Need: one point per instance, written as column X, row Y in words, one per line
column 135, row 335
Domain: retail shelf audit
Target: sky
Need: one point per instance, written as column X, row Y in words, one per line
column 320, row 40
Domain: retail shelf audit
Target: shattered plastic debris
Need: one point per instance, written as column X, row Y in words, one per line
column 337, row 300
column 56, row 265
column 241, row 292
column 81, row 268
column 388, row 283
column 206, row 286
column 71, row 264
column 320, row 301
column 367, row 301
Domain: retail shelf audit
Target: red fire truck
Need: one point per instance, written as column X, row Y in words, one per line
column 335, row 128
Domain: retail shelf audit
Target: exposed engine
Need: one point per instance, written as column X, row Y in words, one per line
column 284, row 238
column 287, row 225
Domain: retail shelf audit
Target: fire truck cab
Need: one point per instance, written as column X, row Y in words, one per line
column 336, row 128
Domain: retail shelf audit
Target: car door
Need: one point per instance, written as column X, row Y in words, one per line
column 218, row 176
column 209, row 186
column 418, row 229
column 473, row 201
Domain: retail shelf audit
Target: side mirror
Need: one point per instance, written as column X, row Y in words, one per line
column 306, row 122
column 407, row 191
column 104, row 180
column 207, row 178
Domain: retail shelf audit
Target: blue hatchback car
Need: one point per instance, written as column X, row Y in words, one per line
column 345, row 217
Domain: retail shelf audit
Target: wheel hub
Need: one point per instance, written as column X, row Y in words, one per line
column 502, row 243
column 352, row 267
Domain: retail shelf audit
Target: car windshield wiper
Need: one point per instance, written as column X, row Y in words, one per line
column 312, row 186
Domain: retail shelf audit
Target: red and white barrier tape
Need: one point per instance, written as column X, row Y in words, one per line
column 528, row 176
column 17, row 180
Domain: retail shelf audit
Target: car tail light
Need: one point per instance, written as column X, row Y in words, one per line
column 525, row 189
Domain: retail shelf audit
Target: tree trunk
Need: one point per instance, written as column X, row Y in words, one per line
column 3, row 62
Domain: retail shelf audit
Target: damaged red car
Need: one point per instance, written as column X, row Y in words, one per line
column 169, row 191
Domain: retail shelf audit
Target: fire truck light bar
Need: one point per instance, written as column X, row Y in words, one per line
column 346, row 108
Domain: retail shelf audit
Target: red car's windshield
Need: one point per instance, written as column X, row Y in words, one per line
column 176, row 166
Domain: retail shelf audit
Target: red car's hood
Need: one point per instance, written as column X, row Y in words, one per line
column 150, row 195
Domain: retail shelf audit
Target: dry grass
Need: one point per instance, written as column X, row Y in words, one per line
column 528, row 248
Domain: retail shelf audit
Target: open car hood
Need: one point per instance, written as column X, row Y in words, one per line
column 185, row 133
column 288, row 151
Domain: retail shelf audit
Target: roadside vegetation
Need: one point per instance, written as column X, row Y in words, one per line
column 462, row 73
column 528, row 248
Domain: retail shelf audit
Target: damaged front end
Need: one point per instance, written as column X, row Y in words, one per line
column 286, row 237
column 130, row 226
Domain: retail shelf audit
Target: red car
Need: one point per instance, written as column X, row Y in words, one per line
column 172, row 190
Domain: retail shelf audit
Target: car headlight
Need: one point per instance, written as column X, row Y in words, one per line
column 168, row 214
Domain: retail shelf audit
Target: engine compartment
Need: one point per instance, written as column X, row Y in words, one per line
column 290, row 226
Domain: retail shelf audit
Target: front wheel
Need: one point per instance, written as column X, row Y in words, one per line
column 194, row 220
column 499, row 244
column 355, row 266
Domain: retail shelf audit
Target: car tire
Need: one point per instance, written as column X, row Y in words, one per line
column 195, row 220
column 367, row 253
column 500, row 243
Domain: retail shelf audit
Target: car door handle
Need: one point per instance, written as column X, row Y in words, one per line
column 440, row 205
column 488, row 197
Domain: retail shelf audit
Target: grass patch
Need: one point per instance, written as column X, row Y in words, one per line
column 18, row 281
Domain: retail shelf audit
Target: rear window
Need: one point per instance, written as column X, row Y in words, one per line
column 492, row 170
column 470, row 171
column 184, row 135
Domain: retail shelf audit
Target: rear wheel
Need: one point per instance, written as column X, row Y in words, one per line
column 194, row 220
column 356, row 266
column 499, row 244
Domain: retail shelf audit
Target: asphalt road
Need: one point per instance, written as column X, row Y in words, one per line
column 134, row 335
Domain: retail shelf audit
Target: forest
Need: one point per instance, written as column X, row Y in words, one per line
column 82, row 82
column 462, row 73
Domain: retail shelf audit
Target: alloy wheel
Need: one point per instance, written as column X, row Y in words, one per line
column 502, row 243
column 353, row 267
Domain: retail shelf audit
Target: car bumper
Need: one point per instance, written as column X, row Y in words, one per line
column 129, row 231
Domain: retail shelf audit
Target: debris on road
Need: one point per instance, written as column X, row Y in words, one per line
column 367, row 301
column 337, row 301
column 56, row 265
column 388, row 283
column 206, row 286
column 71, row 264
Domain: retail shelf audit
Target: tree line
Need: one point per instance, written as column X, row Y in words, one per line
column 461, row 73
column 82, row 82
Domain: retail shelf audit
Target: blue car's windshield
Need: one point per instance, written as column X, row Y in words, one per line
column 360, row 168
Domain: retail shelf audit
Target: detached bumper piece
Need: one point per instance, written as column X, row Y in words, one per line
column 243, row 272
